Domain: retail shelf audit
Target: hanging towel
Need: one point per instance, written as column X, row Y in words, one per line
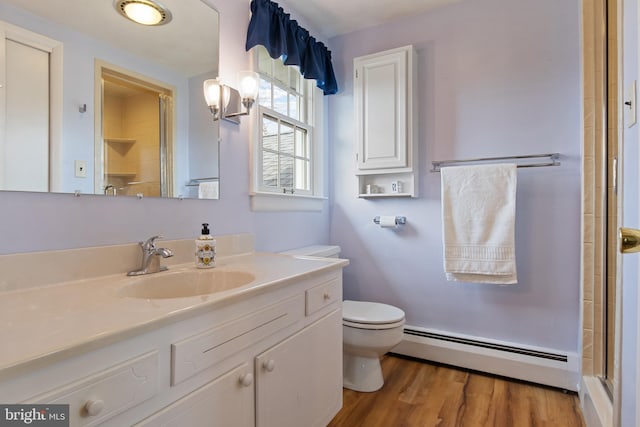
column 478, row 221
column 208, row 190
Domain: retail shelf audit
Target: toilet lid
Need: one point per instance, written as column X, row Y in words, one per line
column 370, row 312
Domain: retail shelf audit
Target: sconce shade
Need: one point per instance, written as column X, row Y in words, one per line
column 211, row 89
column 248, row 87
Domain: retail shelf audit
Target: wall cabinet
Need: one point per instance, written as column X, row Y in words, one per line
column 274, row 359
column 384, row 85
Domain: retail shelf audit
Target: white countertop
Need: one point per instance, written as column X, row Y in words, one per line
column 45, row 324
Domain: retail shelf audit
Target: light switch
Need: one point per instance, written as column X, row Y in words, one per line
column 630, row 105
column 81, row 168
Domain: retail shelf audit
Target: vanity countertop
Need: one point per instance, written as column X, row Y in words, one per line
column 45, row 324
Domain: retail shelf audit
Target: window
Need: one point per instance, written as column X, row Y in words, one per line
column 286, row 148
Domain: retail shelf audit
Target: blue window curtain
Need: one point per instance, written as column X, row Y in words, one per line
column 274, row 29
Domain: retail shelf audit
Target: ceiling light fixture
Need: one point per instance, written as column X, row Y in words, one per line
column 145, row 12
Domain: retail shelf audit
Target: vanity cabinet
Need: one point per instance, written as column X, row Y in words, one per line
column 271, row 359
column 385, row 105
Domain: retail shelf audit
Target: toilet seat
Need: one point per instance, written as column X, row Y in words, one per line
column 371, row 315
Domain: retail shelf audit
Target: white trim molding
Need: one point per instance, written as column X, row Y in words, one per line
column 528, row 363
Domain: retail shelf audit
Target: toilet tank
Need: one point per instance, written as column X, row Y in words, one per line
column 327, row 251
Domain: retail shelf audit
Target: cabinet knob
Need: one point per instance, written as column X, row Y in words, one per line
column 246, row 379
column 327, row 296
column 269, row 365
column 94, row 407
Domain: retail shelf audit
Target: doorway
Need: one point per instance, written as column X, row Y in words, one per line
column 134, row 144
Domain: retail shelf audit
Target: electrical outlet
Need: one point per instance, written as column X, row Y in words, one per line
column 81, row 168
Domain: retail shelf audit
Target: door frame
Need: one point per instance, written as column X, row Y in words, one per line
column 167, row 123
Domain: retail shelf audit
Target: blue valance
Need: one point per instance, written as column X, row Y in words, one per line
column 272, row 28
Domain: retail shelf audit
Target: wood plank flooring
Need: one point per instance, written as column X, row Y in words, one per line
column 420, row 394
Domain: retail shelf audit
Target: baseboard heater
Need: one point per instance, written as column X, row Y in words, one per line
column 543, row 366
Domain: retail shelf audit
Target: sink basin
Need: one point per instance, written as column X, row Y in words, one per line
column 180, row 284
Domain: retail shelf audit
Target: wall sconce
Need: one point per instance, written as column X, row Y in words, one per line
column 219, row 96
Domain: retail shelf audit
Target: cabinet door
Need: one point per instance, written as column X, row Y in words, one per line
column 224, row 402
column 381, row 88
column 299, row 381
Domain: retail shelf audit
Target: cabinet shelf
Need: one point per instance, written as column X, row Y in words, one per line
column 383, row 195
column 121, row 141
column 121, row 174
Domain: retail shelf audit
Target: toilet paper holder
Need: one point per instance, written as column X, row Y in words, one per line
column 400, row 220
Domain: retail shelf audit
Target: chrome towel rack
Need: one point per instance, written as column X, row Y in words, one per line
column 528, row 161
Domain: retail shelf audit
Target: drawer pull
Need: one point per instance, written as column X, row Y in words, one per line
column 246, row 379
column 269, row 365
column 327, row 296
column 94, row 407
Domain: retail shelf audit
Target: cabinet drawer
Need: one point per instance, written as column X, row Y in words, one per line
column 322, row 295
column 201, row 351
column 97, row 397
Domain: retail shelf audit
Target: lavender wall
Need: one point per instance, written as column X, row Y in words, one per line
column 495, row 77
column 35, row 222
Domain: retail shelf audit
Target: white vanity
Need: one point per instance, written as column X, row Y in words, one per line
column 264, row 353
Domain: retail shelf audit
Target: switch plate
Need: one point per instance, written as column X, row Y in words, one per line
column 630, row 118
column 81, row 168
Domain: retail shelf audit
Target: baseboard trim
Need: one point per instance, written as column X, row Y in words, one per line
column 539, row 365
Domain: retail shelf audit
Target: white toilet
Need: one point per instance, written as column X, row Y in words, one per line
column 369, row 330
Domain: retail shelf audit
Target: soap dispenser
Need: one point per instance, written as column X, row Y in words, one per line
column 205, row 249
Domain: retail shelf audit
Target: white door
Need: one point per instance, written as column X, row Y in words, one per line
column 629, row 361
column 24, row 143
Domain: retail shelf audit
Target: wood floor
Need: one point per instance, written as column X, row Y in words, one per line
column 419, row 394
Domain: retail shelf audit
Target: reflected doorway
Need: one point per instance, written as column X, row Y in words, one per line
column 135, row 142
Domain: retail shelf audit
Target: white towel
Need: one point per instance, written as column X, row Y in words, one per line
column 478, row 222
column 208, row 190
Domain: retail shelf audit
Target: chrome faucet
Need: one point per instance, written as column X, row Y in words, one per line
column 151, row 257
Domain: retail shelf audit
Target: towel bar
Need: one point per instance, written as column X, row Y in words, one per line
column 553, row 161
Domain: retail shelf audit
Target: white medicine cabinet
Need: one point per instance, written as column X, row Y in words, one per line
column 384, row 85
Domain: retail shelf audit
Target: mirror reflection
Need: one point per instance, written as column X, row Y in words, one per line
column 99, row 104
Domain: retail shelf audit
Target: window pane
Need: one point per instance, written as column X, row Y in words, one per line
column 286, row 139
column 286, row 171
column 294, row 78
column 270, row 169
column 303, row 175
column 269, row 133
column 293, row 107
column 264, row 60
column 302, row 144
column 264, row 93
column 281, row 71
column 280, row 99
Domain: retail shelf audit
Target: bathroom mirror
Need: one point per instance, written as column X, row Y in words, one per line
column 98, row 62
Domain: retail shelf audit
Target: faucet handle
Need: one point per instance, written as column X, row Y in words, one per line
column 150, row 243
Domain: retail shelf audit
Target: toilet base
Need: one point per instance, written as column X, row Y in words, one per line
column 361, row 373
